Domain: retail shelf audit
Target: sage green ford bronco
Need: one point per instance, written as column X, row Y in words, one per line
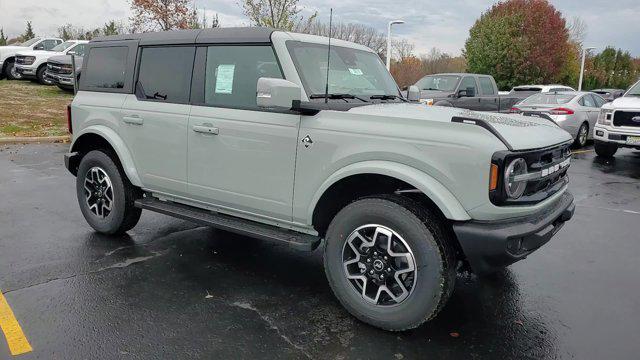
column 236, row 128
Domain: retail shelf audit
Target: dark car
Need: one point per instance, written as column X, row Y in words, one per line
column 59, row 71
column 467, row 91
column 609, row 94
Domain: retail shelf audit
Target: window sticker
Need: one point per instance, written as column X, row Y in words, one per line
column 356, row 72
column 224, row 78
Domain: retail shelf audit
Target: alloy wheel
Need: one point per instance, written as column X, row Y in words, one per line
column 15, row 74
column 582, row 136
column 379, row 264
column 98, row 192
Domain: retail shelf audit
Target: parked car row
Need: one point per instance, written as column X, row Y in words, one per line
column 46, row 60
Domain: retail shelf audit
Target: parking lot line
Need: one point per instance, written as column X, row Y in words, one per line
column 17, row 341
column 582, row 151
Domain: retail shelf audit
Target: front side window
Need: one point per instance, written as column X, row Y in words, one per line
column 165, row 74
column 438, row 82
column 232, row 73
column 106, row 67
column 351, row 71
column 78, row 49
column 49, row 44
column 63, row 46
column 469, row 83
column 487, row 86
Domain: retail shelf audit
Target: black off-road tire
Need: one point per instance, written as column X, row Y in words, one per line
column 123, row 215
column 430, row 240
column 605, row 149
column 40, row 76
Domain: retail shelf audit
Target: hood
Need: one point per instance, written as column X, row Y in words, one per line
column 625, row 102
column 12, row 49
column 519, row 132
column 39, row 53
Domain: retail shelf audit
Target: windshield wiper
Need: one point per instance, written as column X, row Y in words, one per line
column 336, row 96
column 387, row 97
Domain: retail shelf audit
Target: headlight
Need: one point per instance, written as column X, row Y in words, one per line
column 604, row 117
column 28, row 60
column 515, row 189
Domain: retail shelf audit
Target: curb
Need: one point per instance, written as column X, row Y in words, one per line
column 26, row 139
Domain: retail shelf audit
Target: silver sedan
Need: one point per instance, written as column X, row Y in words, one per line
column 574, row 111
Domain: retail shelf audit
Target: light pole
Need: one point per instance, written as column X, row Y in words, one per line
column 584, row 55
column 389, row 41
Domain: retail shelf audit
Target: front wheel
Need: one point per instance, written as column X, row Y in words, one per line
column 105, row 195
column 11, row 72
column 389, row 261
column 43, row 80
column 604, row 149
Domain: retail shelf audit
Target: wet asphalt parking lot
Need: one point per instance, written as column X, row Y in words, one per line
column 172, row 289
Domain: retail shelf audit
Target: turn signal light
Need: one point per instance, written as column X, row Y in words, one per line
column 493, row 177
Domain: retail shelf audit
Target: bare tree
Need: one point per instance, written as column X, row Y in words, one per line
column 577, row 30
column 152, row 15
column 357, row 33
column 436, row 61
column 279, row 14
column 403, row 48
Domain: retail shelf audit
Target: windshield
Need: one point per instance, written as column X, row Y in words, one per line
column 63, row 46
column 438, row 82
column 634, row 91
column 352, row 71
column 547, row 99
column 30, row 42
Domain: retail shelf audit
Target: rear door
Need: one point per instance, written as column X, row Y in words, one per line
column 241, row 157
column 489, row 95
column 155, row 117
column 590, row 109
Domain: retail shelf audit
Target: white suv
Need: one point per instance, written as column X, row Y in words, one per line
column 33, row 64
column 619, row 123
column 7, row 54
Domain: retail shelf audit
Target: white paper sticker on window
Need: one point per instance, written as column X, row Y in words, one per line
column 224, row 78
column 357, row 72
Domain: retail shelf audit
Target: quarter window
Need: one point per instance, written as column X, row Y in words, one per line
column 106, row 67
column 232, row 74
column 487, row 86
column 165, row 74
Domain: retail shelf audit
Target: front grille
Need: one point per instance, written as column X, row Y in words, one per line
column 59, row 69
column 626, row 118
column 20, row 59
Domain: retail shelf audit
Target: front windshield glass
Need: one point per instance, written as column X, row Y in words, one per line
column 547, row 99
column 439, row 82
column 30, row 42
column 634, row 91
column 352, row 71
column 62, row 46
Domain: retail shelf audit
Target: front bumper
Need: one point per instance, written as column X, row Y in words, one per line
column 496, row 244
column 63, row 80
column 26, row 70
column 611, row 134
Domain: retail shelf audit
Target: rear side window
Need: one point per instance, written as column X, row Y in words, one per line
column 165, row 74
column 106, row 67
column 487, row 86
column 232, row 74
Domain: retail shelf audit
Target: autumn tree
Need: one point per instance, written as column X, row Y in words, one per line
column 153, row 15
column 610, row 69
column 519, row 42
column 407, row 71
column 436, row 61
column 278, row 14
column 3, row 39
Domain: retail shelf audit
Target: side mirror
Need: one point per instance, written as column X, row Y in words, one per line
column 71, row 52
column 413, row 94
column 468, row 92
column 277, row 93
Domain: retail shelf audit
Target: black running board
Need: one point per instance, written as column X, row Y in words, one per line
column 236, row 225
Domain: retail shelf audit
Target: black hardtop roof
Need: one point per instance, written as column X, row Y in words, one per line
column 230, row 35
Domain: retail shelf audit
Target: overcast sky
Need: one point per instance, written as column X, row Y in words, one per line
column 443, row 23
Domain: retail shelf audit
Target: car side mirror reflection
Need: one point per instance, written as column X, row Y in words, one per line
column 277, row 94
column 413, row 94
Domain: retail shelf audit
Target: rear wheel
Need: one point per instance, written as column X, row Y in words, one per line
column 105, row 195
column 583, row 135
column 41, row 78
column 389, row 262
column 605, row 149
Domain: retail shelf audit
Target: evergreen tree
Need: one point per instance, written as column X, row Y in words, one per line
column 28, row 33
column 3, row 39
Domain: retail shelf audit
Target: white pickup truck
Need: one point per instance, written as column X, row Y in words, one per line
column 8, row 53
column 32, row 64
column 619, row 124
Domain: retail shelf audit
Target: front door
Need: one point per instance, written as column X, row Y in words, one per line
column 241, row 158
column 155, row 119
